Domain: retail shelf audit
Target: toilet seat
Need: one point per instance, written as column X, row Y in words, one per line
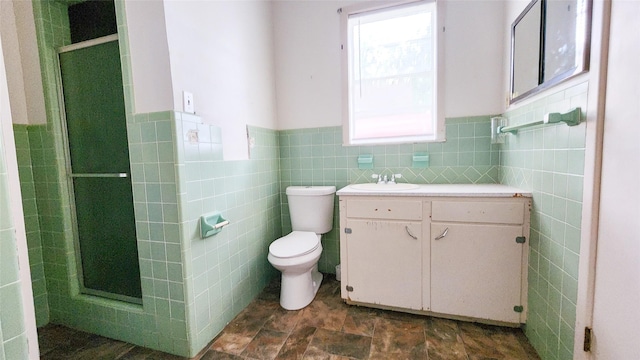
column 297, row 243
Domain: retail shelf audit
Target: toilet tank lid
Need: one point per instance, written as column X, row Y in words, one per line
column 311, row 190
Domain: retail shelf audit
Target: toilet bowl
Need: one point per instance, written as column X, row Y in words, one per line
column 299, row 267
column 296, row 255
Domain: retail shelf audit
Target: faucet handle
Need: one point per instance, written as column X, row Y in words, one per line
column 394, row 177
column 378, row 177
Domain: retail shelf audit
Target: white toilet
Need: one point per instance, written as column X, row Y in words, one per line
column 296, row 255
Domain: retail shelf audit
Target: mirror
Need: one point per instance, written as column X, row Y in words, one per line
column 525, row 43
column 549, row 44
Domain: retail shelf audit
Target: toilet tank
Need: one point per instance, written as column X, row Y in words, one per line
column 311, row 208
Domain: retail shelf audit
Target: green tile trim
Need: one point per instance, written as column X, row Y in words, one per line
column 30, row 210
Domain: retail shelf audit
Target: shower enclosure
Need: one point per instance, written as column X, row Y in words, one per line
column 98, row 169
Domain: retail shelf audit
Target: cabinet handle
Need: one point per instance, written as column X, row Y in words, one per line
column 410, row 234
column 444, row 233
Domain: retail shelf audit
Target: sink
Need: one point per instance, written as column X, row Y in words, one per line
column 384, row 187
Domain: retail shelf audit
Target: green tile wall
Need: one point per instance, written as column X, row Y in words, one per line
column 317, row 157
column 52, row 211
column 549, row 161
column 32, row 224
column 154, row 179
column 13, row 336
column 225, row 272
column 47, row 160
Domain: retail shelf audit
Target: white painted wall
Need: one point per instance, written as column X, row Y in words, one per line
column 307, row 52
column 222, row 52
column 474, row 42
column 22, row 62
column 244, row 59
column 149, row 52
column 617, row 286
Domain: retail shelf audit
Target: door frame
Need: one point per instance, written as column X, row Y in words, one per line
column 601, row 14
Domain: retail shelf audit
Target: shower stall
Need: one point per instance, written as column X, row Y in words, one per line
column 98, row 169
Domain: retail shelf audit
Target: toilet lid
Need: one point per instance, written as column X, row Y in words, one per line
column 295, row 244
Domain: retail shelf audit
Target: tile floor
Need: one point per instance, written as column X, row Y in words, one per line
column 326, row 329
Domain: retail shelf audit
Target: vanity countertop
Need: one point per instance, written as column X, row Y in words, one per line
column 443, row 190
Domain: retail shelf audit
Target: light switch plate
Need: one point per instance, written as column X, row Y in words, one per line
column 187, row 102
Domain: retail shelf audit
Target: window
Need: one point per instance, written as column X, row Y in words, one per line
column 390, row 75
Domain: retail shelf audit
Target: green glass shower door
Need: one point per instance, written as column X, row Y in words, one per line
column 99, row 171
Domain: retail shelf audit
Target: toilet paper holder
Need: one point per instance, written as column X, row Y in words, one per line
column 211, row 224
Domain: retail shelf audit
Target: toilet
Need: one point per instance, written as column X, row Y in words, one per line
column 296, row 255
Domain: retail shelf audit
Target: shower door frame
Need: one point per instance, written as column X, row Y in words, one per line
column 69, row 175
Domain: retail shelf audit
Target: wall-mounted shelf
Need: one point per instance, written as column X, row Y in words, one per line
column 420, row 160
column 365, row 161
column 571, row 118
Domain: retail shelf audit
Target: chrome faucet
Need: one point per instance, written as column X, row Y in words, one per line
column 384, row 179
column 394, row 177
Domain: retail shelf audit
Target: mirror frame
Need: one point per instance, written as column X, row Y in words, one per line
column 582, row 52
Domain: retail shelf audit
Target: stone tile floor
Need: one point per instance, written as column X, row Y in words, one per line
column 326, row 329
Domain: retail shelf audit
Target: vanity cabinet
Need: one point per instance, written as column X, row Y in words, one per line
column 477, row 253
column 384, row 241
column 463, row 257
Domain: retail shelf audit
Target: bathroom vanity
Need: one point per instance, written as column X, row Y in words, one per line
column 457, row 251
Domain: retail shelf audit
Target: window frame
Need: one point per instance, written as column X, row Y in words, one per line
column 345, row 12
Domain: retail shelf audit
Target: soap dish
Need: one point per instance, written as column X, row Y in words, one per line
column 211, row 224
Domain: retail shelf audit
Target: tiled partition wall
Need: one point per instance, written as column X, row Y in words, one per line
column 13, row 336
column 317, row 157
column 549, row 161
column 32, row 224
column 224, row 272
column 193, row 286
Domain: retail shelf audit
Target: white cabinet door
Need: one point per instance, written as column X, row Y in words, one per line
column 384, row 260
column 476, row 270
